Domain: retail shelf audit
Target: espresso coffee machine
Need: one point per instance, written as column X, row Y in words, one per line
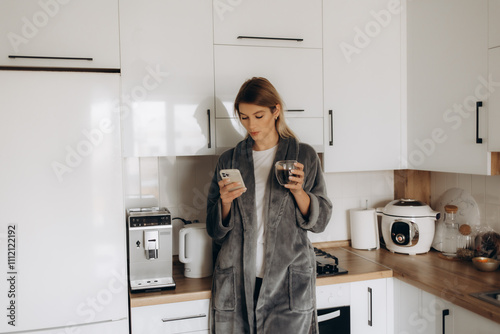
column 150, row 249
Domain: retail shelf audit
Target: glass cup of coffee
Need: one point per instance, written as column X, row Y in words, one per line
column 283, row 171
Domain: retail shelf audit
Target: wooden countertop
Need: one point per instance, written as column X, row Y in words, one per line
column 450, row 280
column 187, row 289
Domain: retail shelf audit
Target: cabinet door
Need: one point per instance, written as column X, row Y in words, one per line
column 493, row 23
column 167, row 77
column 466, row 322
column 74, row 34
column 447, row 75
column 493, row 103
column 437, row 314
column 183, row 317
column 291, row 23
column 408, row 318
column 362, row 85
column 369, row 307
column 60, row 144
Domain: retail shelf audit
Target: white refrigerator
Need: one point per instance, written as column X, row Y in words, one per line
column 62, row 227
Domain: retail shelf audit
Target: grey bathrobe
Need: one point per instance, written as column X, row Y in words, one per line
column 287, row 301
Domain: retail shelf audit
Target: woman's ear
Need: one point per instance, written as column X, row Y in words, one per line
column 277, row 110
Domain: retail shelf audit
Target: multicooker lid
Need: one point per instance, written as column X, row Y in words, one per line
column 408, row 208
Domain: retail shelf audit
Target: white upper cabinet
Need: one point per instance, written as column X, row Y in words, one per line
column 494, row 23
column 57, row 33
column 362, row 85
column 448, row 86
column 296, row 74
column 167, row 78
column 290, row 23
column 494, row 100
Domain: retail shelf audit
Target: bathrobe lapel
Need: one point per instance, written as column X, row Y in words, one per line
column 243, row 160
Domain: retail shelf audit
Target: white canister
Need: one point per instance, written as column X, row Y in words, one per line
column 364, row 229
column 195, row 250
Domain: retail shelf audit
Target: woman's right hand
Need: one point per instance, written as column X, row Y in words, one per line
column 226, row 195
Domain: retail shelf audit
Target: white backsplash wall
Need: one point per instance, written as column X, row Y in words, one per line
column 353, row 190
column 484, row 189
column 181, row 184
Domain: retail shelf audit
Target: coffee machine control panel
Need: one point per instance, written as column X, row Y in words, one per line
column 150, row 220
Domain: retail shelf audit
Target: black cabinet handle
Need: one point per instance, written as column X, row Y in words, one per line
column 445, row 313
column 295, row 110
column 209, row 130
column 330, row 114
column 370, row 307
column 272, row 38
column 478, row 105
column 46, row 57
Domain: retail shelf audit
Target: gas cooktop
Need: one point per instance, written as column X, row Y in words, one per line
column 327, row 264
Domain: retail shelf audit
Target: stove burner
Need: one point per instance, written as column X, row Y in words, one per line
column 327, row 264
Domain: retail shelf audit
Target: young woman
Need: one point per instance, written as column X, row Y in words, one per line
column 265, row 272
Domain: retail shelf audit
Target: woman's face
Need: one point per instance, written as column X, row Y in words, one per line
column 259, row 121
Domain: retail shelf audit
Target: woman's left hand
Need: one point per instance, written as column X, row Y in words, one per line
column 296, row 188
column 297, row 179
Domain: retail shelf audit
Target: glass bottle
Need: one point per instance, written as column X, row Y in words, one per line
column 451, row 233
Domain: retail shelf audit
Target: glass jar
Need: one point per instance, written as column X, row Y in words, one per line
column 450, row 233
column 465, row 243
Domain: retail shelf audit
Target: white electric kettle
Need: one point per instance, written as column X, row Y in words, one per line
column 195, row 250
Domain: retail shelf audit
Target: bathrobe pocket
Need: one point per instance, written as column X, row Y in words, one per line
column 224, row 289
column 301, row 294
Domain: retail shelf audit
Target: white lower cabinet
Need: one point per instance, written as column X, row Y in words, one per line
column 466, row 322
column 417, row 311
column 370, row 307
column 182, row 317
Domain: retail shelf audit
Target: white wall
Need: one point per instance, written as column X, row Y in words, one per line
column 484, row 189
column 181, row 185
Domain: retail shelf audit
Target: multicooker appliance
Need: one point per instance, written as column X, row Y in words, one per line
column 408, row 226
column 150, row 249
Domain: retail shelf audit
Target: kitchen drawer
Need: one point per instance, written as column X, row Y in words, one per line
column 297, row 74
column 182, row 317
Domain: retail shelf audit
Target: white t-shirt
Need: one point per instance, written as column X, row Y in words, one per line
column 263, row 163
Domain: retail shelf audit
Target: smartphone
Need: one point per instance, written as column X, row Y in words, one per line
column 233, row 175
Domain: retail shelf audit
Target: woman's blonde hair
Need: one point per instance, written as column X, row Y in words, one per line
column 261, row 92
